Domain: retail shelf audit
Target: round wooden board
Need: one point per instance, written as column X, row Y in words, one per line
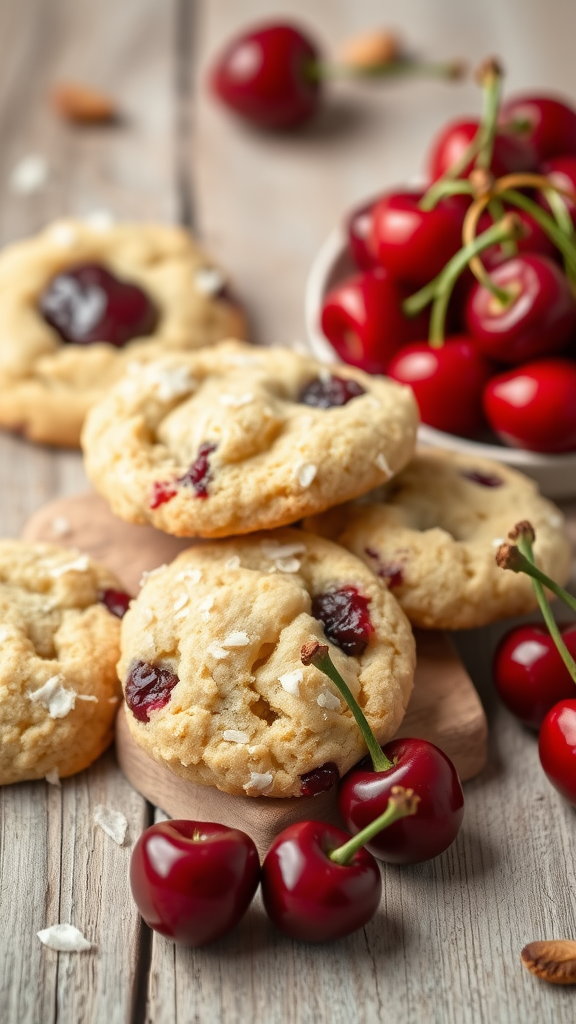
column 444, row 706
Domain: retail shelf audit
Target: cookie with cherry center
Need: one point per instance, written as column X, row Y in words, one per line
column 83, row 299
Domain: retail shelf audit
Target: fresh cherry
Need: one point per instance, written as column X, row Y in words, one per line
column 116, row 601
column 192, row 881
column 148, row 688
column 557, row 748
column 529, row 673
column 447, row 382
column 346, row 619
column 538, row 318
column 411, row 243
column 358, row 228
column 511, row 152
column 363, row 320
column 268, row 76
column 534, row 406
column 86, row 303
column 308, row 896
column 330, row 392
column 423, row 767
column 546, row 123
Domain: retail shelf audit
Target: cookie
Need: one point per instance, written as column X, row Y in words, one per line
column 432, row 535
column 235, row 438
column 213, row 680
column 81, row 300
column 59, row 644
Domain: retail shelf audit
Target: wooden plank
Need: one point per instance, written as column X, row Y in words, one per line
column 55, row 865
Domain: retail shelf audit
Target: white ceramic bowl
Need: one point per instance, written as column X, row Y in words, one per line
column 555, row 474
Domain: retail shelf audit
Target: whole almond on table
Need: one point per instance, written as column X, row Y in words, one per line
column 371, row 49
column 82, row 104
column 553, row 961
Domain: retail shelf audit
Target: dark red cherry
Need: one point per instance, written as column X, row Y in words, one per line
column 148, row 688
column 116, row 601
column 413, row 244
column 417, row 765
column 346, row 619
column 86, row 303
column 529, row 673
column 539, row 318
column 319, row 780
column 192, row 881
column 329, row 392
column 447, row 382
column 557, row 748
column 358, row 228
column 548, row 124
column 534, row 406
column 511, row 151
column 267, row 76
column 477, row 476
column 363, row 320
column 307, row 895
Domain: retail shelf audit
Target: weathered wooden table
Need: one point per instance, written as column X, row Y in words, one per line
column 445, row 946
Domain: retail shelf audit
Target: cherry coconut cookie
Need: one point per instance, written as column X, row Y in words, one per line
column 432, row 535
column 234, row 439
column 82, row 299
column 211, row 666
column 59, row 644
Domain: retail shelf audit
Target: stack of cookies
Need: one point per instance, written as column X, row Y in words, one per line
column 317, row 519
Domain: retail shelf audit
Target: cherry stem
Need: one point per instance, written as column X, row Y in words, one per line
column 520, row 558
column 401, row 804
column 394, row 68
column 561, row 239
column 490, row 77
column 440, row 189
column 440, row 289
column 317, row 654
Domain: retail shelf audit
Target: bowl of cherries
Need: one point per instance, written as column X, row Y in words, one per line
column 465, row 288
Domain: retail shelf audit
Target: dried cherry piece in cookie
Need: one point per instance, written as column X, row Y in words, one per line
column 148, row 688
column 116, row 601
column 326, row 393
column 346, row 619
column 198, row 476
column 483, row 479
column 391, row 572
column 86, row 303
column 319, row 780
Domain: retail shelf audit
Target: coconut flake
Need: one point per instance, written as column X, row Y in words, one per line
column 235, row 736
column 206, row 606
column 53, row 778
column 218, row 652
column 100, row 220
column 149, row 573
column 259, row 781
column 328, row 700
column 192, row 576
column 274, row 550
column 288, row 564
column 65, row 938
column 233, row 563
column 209, row 280
column 147, row 616
column 236, row 401
column 61, row 526
column 63, row 234
column 87, row 696
column 382, row 463
column 56, row 698
column 236, row 639
column 170, row 382
column 113, row 823
column 29, row 175
column 290, row 681
column 180, row 602
column 80, row 564
column 306, row 473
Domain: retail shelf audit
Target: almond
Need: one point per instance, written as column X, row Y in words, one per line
column 553, row 961
column 82, row 104
column 371, row 50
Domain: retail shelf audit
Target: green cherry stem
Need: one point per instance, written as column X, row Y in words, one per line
column 520, row 558
column 317, row 654
column 489, row 76
column 442, row 188
column 561, row 239
column 401, row 804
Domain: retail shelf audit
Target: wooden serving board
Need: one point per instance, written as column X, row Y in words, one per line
column 444, row 706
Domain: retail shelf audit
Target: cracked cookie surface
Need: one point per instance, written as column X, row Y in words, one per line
column 433, row 536
column 47, row 384
column 239, row 438
column 215, row 688
column 59, row 644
